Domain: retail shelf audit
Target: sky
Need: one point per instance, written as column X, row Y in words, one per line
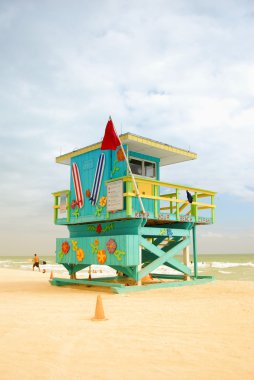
column 180, row 72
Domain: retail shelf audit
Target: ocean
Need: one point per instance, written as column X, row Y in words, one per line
column 238, row 267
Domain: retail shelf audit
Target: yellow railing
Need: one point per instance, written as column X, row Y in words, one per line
column 159, row 192
column 57, row 195
column 171, row 197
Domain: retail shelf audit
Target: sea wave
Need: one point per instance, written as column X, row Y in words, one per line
column 238, row 269
column 217, row 264
column 224, row 272
column 60, row 268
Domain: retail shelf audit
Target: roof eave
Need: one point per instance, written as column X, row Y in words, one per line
column 168, row 154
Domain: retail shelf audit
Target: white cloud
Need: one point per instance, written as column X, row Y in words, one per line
column 183, row 69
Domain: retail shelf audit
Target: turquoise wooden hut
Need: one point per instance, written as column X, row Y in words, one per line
column 107, row 225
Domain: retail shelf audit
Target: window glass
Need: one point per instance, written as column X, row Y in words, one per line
column 149, row 169
column 136, row 166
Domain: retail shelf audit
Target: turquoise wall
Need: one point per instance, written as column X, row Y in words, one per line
column 115, row 167
column 111, row 243
column 116, row 250
column 87, row 163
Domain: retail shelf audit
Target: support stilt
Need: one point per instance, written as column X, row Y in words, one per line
column 139, row 282
column 195, row 251
column 186, row 261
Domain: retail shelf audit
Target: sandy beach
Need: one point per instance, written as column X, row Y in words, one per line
column 197, row 332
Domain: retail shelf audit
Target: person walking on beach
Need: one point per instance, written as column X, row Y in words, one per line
column 36, row 262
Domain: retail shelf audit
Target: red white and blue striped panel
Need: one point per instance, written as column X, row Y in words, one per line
column 97, row 179
column 77, row 185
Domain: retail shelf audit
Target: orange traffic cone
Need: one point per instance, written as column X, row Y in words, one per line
column 147, row 278
column 99, row 312
column 51, row 275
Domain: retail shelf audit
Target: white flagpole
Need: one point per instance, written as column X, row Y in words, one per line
column 132, row 176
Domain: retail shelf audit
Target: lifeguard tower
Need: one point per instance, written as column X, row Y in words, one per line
column 119, row 213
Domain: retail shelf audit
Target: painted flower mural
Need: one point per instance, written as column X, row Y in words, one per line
column 74, row 245
column 73, row 204
column 107, row 227
column 119, row 254
column 65, row 247
column 101, row 256
column 99, row 228
column 111, row 245
column 80, row 254
column 103, row 201
column 76, row 212
column 102, row 204
column 120, row 154
column 119, row 157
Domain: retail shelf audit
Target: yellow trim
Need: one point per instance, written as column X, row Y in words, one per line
column 185, row 204
column 171, row 195
column 171, row 200
column 157, row 144
column 166, row 184
column 59, row 207
column 203, row 195
column 59, row 193
column 77, row 152
column 128, row 136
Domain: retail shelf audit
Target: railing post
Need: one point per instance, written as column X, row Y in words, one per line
column 171, row 206
column 156, row 193
column 186, row 260
column 55, row 209
column 213, row 209
column 195, row 251
column 194, row 208
column 177, row 205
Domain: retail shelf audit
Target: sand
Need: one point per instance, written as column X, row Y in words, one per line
column 197, row 332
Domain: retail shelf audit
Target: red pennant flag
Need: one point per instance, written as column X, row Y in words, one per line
column 110, row 140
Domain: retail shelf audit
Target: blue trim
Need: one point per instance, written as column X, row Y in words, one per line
column 143, row 156
column 97, row 179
